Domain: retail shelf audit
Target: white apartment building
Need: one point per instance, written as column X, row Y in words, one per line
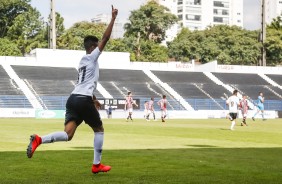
column 273, row 9
column 117, row 31
column 199, row 14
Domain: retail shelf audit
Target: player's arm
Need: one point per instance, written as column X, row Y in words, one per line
column 108, row 32
column 262, row 99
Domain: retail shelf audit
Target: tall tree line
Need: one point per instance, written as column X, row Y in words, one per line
column 22, row 29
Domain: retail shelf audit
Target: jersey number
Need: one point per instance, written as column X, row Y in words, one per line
column 81, row 71
column 232, row 104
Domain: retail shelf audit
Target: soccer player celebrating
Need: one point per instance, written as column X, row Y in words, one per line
column 233, row 103
column 129, row 105
column 260, row 106
column 244, row 109
column 151, row 109
column 163, row 103
column 80, row 106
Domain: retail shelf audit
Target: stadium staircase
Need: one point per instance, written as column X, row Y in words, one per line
column 22, row 85
column 103, row 91
column 203, row 91
column 171, row 91
column 158, row 94
column 228, row 87
column 270, row 81
column 35, row 94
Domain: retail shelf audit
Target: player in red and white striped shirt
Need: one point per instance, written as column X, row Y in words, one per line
column 244, row 109
column 129, row 105
column 163, row 104
column 151, row 109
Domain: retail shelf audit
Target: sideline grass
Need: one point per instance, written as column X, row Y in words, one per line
column 179, row 151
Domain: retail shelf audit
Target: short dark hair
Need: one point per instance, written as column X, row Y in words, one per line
column 129, row 92
column 164, row 96
column 90, row 41
column 235, row 91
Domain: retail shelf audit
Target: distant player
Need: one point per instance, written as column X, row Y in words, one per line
column 151, row 109
column 233, row 103
column 80, row 106
column 146, row 109
column 260, row 106
column 129, row 105
column 244, row 109
column 163, row 104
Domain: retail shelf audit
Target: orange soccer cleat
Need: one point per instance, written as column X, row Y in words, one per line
column 35, row 141
column 100, row 168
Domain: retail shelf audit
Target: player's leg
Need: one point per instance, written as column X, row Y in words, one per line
column 154, row 115
column 130, row 113
column 163, row 115
column 148, row 115
column 258, row 109
column 71, row 123
column 262, row 114
column 232, row 119
column 92, row 117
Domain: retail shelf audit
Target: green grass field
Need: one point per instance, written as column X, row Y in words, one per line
column 178, row 151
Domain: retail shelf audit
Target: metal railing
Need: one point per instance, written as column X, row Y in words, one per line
column 58, row 103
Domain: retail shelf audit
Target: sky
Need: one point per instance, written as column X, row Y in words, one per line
column 83, row 10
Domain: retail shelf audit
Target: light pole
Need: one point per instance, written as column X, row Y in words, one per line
column 52, row 26
column 263, row 34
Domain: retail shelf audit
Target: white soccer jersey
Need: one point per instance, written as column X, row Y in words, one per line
column 233, row 102
column 88, row 74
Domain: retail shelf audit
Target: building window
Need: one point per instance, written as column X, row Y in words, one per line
column 221, row 4
column 180, row 2
column 194, row 2
column 238, row 13
column 238, row 21
column 220, row 12
column 193, row 17
column 218, row 19
column 221, row 20
column 180, row 17
column 179, row 9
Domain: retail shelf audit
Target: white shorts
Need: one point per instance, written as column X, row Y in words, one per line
column 145, row 111
column 164, row 112
column 130, row 110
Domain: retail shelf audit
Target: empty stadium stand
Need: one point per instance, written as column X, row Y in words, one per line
column 194, row 85
column 7, row 85
column 10, row 94
column 49, row 81
column 276, row 78
column 249, row 84
column 119, row 82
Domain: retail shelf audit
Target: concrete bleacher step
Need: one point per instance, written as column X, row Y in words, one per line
column 203, row 91
column 269, row 80
column 21, row 84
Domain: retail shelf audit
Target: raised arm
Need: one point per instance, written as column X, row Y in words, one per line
column 108, row 32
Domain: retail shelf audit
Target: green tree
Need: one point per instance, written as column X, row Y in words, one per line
column 9, row 10
column 151, row 21
column 276, row 23
column 273, row 45
column 73, row 37
column 153, row 52
column 228, row 45
column 8, row 48
column 27, row 31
